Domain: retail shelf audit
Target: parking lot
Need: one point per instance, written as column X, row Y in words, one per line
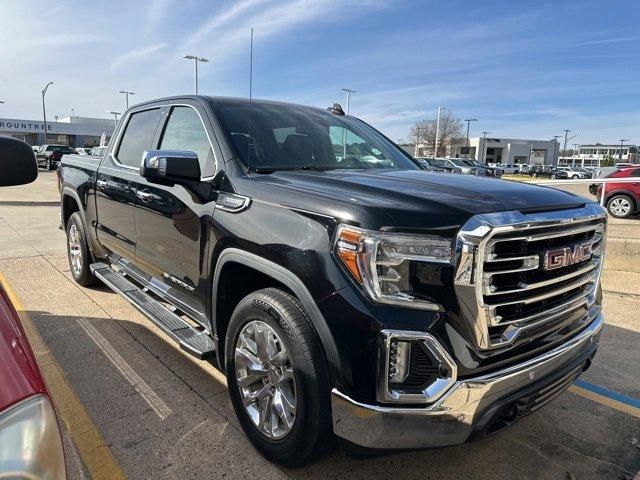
column 135, row 405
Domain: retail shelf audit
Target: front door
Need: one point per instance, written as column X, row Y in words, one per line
column 172, row 221
column 116, row 183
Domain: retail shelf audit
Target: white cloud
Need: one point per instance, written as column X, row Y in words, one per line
column 136, row 54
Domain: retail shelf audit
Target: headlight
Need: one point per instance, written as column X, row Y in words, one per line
column 382, row 262
column 30, row 442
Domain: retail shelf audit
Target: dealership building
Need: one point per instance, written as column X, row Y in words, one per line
column 506, row 150
column 72, row 131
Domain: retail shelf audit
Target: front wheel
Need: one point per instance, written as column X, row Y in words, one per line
column 620, row 206
column 278, row 378
column 534, row 175
column 575, row 177
column 553, row 176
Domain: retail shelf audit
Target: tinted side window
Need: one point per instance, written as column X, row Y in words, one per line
column 137, row 137
column 184, row 131
column 636, row 173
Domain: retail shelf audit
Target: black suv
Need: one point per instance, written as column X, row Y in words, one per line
column 546, row 171
column 49, row 156
column 342, row 289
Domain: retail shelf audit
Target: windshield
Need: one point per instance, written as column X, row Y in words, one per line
column 459, row 163
column 288, row 137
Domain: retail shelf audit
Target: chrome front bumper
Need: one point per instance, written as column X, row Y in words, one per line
column 460, row 411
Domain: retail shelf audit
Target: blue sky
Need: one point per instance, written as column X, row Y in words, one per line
column 525, row 69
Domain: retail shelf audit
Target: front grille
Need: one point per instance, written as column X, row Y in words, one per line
column 532, row 275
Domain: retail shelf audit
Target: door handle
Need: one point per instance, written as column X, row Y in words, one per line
column 144, row 195
column 102, row 184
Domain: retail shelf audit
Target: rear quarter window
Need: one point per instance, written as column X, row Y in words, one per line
column 137, row 137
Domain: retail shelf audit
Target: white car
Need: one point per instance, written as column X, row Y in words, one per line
column 573, row 172
column 509, row 169
column 83, row 151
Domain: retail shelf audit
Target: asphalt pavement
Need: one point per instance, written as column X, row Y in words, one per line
column 159, row 413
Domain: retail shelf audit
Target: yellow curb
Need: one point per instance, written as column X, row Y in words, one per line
column 609, row 402
column 94, row 452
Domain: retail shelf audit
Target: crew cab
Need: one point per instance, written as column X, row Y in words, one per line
column 349, row 294
column 48, row 156
column 30, row 439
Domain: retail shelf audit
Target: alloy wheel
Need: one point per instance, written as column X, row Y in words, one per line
column 620, row 206
column 75, row 252
column 265, row 379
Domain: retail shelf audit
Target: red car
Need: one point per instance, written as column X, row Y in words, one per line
column 622, row 199
column 30, row 440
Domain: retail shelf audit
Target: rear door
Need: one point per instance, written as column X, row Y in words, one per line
column 172, row 221
column 117, row 179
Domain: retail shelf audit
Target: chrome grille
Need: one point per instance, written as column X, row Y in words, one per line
column 504, row 286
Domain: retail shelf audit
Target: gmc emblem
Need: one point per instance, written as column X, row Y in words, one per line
column 563, row 257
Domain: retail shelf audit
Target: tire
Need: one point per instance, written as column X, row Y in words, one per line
column 620, row 206
column 553, row 177
column 575, row 177
column 516, row 172
column 78, row 252
column 534, row 175
column 274, row 314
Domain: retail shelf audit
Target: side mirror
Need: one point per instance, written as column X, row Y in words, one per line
column 170, row 166
column 17, row 162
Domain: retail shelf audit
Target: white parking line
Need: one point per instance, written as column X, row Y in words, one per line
column 145, row 391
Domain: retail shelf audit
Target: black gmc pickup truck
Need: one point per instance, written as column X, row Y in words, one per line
column 342, row 289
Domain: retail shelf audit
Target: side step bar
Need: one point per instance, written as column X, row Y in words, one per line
column 191, row 340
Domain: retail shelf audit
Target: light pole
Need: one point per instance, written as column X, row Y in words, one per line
column 620, row 153
column 469, row 120
column 196, row 59
column 44, row 110
column 126, row 94
column 435, row 151
column 115, row 116
column 484, row 146
column 349, row 92
column 564, row 150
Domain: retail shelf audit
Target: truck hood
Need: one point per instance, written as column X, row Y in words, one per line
column 414, row 198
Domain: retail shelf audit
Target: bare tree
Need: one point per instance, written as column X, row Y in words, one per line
column 424, row 132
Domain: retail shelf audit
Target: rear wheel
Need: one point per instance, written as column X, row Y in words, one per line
column 78, row 252
column 620, row 206
column 278, row 378
column 534, row 175
column 553, row 176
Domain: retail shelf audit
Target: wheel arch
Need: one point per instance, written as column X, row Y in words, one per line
column 283, row 278
column 70, row 203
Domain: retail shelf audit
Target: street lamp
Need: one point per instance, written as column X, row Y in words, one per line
column 469, row 120
column 115, row 116
column 620, row 153
column 484, row 146
column 196, row 59
column 127, row 96
column 44, row 110
column 349, row 92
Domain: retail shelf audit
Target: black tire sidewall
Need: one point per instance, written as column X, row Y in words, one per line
column 85, row 278
column 311, row 383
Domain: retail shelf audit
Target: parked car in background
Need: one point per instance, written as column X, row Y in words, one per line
column 434, row 164
column 622, row 199
column 458, row 164
column 49, row 155
column 262, row 247
column 98, row 151
column 485, row 169
column 523, row 169
column 508, row 169
column 546, row 171
column 573, row 172
column 83, row 151
column 30, row 439
column 35, row 148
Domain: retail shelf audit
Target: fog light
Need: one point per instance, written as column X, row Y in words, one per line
column 399, row 361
